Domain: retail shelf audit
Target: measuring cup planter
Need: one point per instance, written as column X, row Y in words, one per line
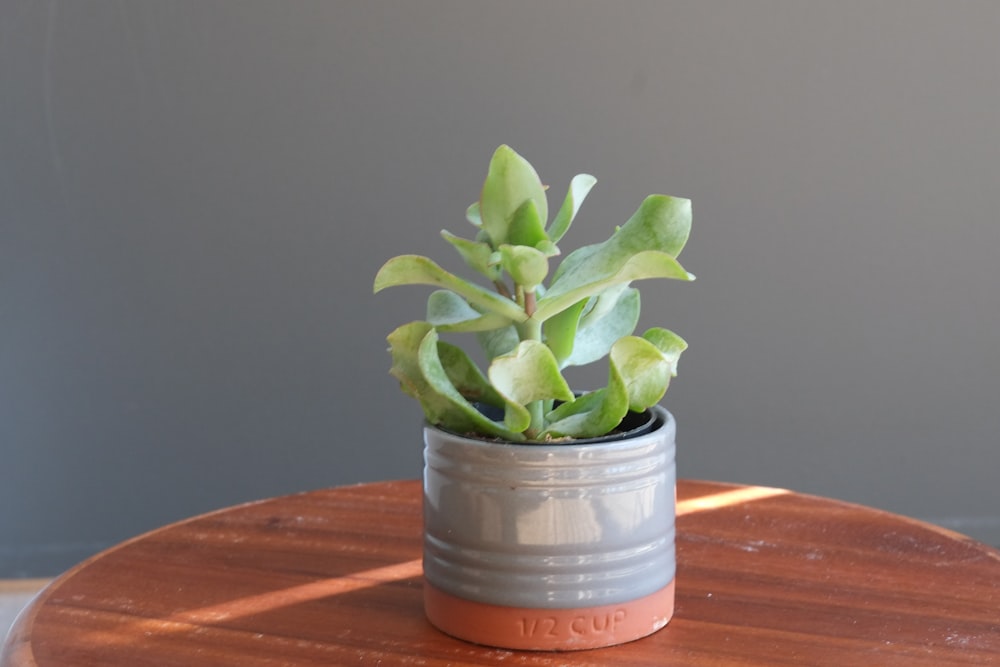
column 550, row 547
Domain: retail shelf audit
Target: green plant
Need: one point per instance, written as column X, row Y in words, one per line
column 530, row 331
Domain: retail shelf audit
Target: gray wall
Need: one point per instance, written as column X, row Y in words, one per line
column 195, row 196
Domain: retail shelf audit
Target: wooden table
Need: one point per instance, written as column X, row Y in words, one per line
column 333, row 577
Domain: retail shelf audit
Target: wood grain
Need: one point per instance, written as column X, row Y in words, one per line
column 332, row 577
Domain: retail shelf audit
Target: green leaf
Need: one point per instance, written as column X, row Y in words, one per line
column 644, row 247
column 669, row 343
column 421, row 374
column 609, row 316
column 466, row 377
column 560, row 332
column 448, row 311
column 418, row 270
column 644, row 370
column 472, row 214
column 528, row 374
column 527, row 266
column 510, row 182
column 498, row 342
column 526, row 227
column 404, row 343
column 582, row 284
column 407, row 344
column 547, row 248
column 638, row 376
column 579, row 187
column 475, row 253
column 591, row 415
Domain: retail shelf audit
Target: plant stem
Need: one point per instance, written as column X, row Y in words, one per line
column 531, row 329
column 502, row 290
column 537, row 420
column 530, row 302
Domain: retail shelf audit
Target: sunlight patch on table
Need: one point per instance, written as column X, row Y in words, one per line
column 197, row 619
column 286, row 597
column 727, row 498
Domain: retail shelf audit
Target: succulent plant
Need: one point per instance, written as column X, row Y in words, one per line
column 531, row 325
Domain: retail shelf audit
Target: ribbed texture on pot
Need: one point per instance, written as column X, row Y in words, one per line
column 550, row 526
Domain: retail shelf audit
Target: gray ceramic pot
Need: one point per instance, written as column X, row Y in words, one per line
column 555, row 547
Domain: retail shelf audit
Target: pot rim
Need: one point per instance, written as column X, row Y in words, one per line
column 652, row 419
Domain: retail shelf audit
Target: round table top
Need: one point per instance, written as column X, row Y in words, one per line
column 333, row 577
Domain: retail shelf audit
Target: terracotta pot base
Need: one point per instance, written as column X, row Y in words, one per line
column 548, row 629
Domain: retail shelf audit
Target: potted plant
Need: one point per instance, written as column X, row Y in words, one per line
column 548, row 512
